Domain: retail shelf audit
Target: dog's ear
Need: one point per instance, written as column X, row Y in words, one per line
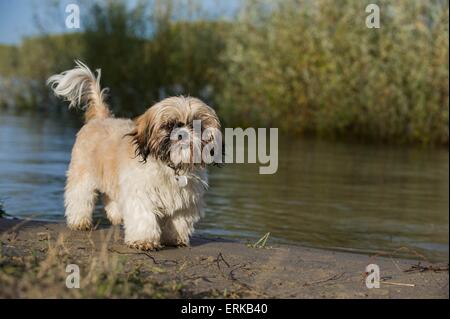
column 145, row 135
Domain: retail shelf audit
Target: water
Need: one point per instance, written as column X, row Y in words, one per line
column 352, row 197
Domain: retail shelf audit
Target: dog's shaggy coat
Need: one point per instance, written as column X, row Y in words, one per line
column 128, row 163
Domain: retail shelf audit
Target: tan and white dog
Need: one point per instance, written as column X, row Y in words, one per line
column 131, row 163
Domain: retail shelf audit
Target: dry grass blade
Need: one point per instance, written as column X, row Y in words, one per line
column 261, row 243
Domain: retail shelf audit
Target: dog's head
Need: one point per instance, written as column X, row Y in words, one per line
column 183, row 132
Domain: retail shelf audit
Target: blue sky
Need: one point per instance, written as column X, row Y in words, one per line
column 17, row 16
column 15, row 20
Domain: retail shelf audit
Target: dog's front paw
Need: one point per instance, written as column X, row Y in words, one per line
column 176, row 243
column 144, row 245
column 83, row 224
column 182, row 242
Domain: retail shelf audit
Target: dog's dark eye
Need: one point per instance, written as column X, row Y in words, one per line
column 180, row 137
column 211, row 152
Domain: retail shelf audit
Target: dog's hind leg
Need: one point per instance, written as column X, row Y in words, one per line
column 79, row 199
column 112, row 210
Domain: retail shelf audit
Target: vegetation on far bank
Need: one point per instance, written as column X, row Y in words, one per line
column 306, row 67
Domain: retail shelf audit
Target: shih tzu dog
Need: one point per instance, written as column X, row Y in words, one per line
column 147, row 170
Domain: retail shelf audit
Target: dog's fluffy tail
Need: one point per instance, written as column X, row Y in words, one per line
column 81, row 88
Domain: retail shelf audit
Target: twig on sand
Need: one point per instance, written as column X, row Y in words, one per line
column 194, row 278
column 422, row 268
column 164, row 262
column 334, row 277
column 232, row 278
column 396, row 251
column 238, row 266
column 221, row 258
column 397, row 284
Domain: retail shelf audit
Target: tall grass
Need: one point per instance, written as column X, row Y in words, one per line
column 304, row 66
column 40, row 272
column 314, row 67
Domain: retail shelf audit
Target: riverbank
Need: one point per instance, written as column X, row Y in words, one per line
column 34, row 256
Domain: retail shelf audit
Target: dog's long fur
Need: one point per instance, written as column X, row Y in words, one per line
column 127, row 162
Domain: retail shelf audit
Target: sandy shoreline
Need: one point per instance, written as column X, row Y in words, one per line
column 209, row 268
